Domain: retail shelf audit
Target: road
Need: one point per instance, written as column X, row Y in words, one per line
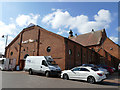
column 23, row 80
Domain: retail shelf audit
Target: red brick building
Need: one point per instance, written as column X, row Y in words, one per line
column 100, row 43
column 36, row 41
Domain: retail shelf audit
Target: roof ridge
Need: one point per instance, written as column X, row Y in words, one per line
column 90, row 32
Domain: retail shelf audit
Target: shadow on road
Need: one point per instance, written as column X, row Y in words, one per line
column 109, row 83
column 101, row 83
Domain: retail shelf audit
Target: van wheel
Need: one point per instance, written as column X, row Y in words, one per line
column 65, row 77
column 47, row 74
column 91, row 80
column 30, row 72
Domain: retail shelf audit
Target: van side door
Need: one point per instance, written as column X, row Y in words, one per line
column 43, row 66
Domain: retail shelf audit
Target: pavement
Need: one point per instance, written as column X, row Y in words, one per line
column 114, row 78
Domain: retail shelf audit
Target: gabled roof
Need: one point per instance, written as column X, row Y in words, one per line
column 89, row 39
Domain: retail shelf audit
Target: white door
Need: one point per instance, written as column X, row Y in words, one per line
column 83, row 73
column 43, row 66
column 74, row 73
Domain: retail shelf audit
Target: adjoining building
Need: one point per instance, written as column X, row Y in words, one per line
column 36, row 41
column 100, row 43
column 1, row 55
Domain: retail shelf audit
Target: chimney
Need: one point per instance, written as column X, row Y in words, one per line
column 93, row 31
column 76, row 35
column 70, row 34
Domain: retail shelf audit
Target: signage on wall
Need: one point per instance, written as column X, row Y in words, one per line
column 28, row 41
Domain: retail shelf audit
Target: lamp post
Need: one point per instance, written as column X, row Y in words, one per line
column 6, row 40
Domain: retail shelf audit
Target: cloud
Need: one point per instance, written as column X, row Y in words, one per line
column 60, row 32
column 24, row 20
column 5, row 29
column 12, row 29
column 58, row 19
column 114, row 39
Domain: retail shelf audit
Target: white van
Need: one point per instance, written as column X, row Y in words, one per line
column 41, row 64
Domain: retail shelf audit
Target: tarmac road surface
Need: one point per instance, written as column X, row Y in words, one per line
column 22, row 79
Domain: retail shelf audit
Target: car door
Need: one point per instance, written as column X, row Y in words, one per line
column 74, row 73
column 83, row 73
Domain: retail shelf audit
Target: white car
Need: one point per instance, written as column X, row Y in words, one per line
column 89, row 74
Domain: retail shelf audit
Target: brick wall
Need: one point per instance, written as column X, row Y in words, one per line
column 29, row 48
column 108, row 45
column 56, row 43
column 13, row 48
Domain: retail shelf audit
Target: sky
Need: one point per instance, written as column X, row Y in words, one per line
column 58, row 17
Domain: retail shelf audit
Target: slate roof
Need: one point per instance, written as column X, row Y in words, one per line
column 89, row 39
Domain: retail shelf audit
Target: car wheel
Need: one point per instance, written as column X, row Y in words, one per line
column 65, row 77
column 47, row 74
column 91, row 80
column 30, row 72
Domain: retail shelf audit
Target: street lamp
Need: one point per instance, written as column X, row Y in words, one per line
column 6, row 39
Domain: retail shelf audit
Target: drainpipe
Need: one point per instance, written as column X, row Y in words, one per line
column 38, row 42
column 20, row 48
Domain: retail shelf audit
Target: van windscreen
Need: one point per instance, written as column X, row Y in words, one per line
column 51, row 62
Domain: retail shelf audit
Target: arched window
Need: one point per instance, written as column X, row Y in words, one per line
column 26, row 56
column 11, row 53
column 70, row 51
column 48, row 49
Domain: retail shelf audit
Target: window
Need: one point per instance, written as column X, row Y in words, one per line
column 84, row 69
column 11, row 53
column 48, row 49
column 111, row 48
column 76, row 69
column 70, row 51
column 26, row 56
column 95, row 69
column 44, row 63
column 23, row 49
column 3, row 61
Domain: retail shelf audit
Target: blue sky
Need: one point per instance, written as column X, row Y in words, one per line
column 60, row 17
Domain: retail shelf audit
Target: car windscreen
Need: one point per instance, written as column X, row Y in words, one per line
column 95, row 69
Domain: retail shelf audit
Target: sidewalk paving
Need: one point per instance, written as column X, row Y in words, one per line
column 113, row 78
